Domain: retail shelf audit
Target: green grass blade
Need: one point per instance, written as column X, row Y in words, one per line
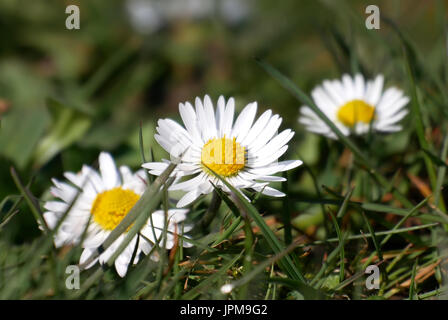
column 150, row 177
column 374, row 239
column 361, row 157
column 141, row 210
column 417, row 113
column 369, row 235
column 30, row 200
column 441, row 172
column 435, row 159
column 286, row 262
column 106, row 70
column 339, row 215
column 207, row 283
column 236, row 224
column 402, row 220
column 302, row 97
column 260, row 268
column 412, row 287
column 286, row 212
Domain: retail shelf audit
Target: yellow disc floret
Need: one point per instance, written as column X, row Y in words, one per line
column 224, row 156
column 356, row 111
column 111, row 206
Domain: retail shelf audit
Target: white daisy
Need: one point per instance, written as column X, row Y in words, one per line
column 105, row 198
column 354, row 105
column 244, row 153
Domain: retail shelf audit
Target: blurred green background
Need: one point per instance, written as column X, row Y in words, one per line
column 66, row 95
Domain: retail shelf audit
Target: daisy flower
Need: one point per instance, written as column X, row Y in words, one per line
column 100, row 201
column 245, row 153
column 354, row 105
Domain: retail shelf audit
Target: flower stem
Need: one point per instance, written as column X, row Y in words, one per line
column 211, row 211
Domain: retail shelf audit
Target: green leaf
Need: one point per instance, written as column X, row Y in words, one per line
column 437, row 161
column 331, row 282
column 20, row 133
column 68, row 126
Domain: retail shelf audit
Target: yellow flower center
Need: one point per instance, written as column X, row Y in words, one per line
column 224, row 156
column 111, row 206
column 356, row 111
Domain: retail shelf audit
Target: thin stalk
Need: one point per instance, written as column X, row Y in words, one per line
column 248, row 248
column 361, row 157
column 211, row 212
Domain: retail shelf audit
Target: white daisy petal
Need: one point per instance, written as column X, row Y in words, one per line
column 353, row 104
column 188, row 198
column 324, row 101
column 307, row 112
column 220, row 115
column 95, row 240
column 390, row 128
column 177, row 215
column 118, row 191
column 244, row 153
column 56, row 206
column 66, row 194
column 51, row 219
column 210, row 116
column 202, row 121
column 244, row 121
column 332, row 90
column 91, row 178
column 267, row 134
column 349, row 86
column 399, row 106
column 86, row 253
column 189, row 118
column 189, row 184
column 155, row 165
column 108, row 170
column 388, row 109
column 250, row 176
column 124, row 259
column 271, row 192
column 277, row 167
column 263, row 161
column 76, row 179
column 145, row 246
column 373, row 92
column 392, row 120
column 126, row 174
column 359, row 86
column 390, row 96
column 256, row 129
column 276, row 143
column 228, row 118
